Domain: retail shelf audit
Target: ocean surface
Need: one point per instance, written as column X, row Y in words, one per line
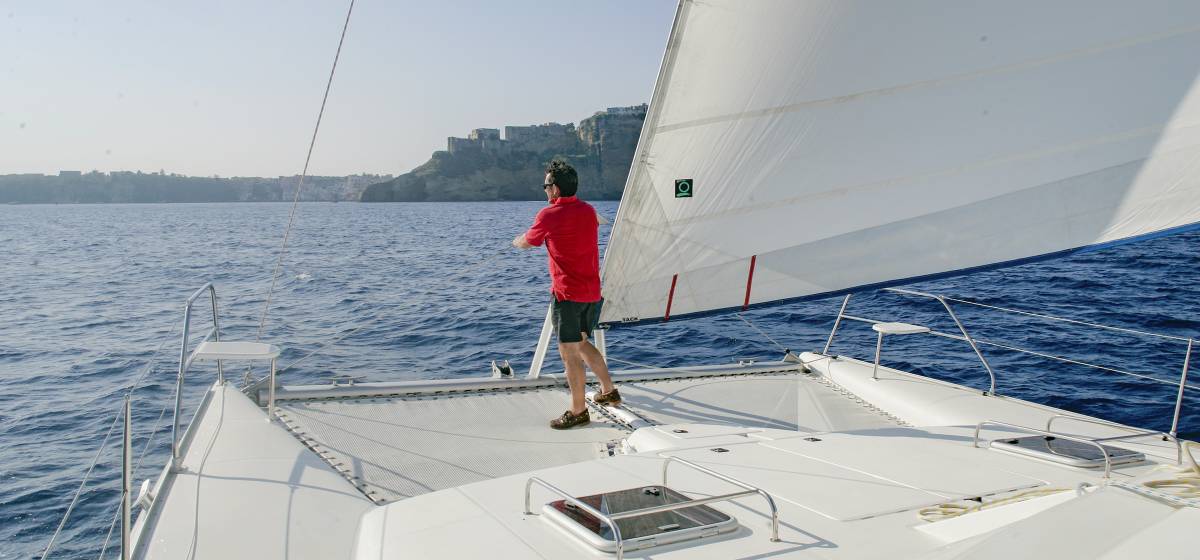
column 91, row 297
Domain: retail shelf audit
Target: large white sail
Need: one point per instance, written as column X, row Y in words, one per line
column 834, row 145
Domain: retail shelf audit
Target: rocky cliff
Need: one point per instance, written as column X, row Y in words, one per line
column 485, row 166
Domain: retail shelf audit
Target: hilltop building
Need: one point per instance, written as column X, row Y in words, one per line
column 535, row 138
column 489, row 166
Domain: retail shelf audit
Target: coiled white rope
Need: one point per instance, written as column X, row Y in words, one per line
column 942, row 512
column 1187, row 484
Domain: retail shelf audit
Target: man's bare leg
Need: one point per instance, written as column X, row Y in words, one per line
column 576, row 377
column 595, row 362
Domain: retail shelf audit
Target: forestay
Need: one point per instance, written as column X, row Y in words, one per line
column 834, row 145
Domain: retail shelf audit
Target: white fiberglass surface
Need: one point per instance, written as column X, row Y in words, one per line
column 788, row 401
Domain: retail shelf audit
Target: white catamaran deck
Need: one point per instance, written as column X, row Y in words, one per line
column 447, row 439
column 437, row 469
column 247, row 489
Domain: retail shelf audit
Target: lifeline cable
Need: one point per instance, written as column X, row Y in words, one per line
column 303, row 174
column 486, row 260
column 762, row 332
column 95, row 460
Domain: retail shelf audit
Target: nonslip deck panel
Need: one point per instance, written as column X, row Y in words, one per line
column 399, row 447
column 394, row 447
column 792, row 401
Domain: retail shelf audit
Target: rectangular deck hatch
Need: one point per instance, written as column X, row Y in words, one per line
column 643, row 531
column 1066, row 452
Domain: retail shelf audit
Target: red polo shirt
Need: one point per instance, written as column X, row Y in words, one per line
column 568, row 226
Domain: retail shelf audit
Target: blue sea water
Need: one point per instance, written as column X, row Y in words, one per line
column 88, row 293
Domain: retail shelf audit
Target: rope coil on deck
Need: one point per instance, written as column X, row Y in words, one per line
column 1187, row 484
column 945, row 511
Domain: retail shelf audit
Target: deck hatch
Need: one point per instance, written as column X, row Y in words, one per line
column 1066, row 452
column 643, row 531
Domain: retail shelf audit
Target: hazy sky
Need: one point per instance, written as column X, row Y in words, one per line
column 232, row 87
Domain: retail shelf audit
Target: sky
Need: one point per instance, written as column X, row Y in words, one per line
column 232, row 88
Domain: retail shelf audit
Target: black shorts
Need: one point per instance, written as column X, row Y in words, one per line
column 573, row 319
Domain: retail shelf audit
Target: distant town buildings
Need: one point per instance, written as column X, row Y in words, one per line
column 638, row 110
column 71, row 186
column 329, row 189
column 535, row 138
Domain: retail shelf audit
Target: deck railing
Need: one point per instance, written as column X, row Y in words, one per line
column 975, row 343
column 185, row 361
column 123, row 513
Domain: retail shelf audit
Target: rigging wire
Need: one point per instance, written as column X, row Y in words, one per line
column 303, row 174
column 486, row 260
column 100, row 450
column 261, row 324
column 108, row 536
column 86, row 475
column 152, row 435
column 647, row 366
column 762, row 332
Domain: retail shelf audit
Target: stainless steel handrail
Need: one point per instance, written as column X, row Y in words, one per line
column 836, row 323
column 961, row 328
column 1107, row 459
column 185, row 360
column 126, row 480
column 975, row 343
column 620, row 543
column 1137, row 432
column 965, row 336
column 733, row 481
column 1182, row 383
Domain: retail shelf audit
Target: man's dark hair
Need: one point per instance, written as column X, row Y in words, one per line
column 563, row 175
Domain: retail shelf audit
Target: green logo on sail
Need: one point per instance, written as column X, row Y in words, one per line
column 683, row 188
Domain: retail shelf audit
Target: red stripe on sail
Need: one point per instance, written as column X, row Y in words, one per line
column 749, row 282
column 670, row 298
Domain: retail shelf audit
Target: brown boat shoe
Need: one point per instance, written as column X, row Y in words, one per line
column 570, row 420
column 611, row 398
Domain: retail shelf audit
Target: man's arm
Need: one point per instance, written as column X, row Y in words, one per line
column 520, row 242
column 535, row 235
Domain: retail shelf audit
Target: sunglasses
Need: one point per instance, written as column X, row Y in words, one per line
column 547, row 186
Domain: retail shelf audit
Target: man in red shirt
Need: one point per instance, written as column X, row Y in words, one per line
column 568, row 227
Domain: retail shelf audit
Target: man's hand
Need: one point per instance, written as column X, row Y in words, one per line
column 520, row 243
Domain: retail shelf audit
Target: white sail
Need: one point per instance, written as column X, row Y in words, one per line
column 836, row 145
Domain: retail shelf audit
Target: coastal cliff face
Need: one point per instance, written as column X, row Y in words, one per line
column 485, row 166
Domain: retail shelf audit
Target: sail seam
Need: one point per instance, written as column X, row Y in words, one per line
column 1077, row 53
